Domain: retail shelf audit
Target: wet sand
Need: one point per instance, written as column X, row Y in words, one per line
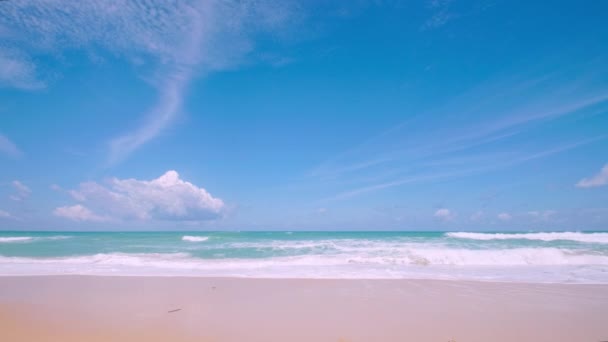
column 90, row 308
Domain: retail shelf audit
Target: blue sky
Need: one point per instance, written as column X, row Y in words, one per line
column 419, row 115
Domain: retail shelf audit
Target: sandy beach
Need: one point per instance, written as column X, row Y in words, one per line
column 78, row 308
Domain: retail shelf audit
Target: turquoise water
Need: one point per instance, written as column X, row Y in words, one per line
column 531, row 257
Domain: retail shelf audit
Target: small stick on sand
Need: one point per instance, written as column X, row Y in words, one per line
column 171, row 311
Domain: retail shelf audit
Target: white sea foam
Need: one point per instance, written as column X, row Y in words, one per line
column 437, row 257
column 520, row 264
column 571, row 236
column 15, row 239
column 58, row 237
column 406, row 257
column 194, row 238
column 11, row 239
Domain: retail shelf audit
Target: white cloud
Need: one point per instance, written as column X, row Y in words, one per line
column 78, row 213
column 158, row 119
column 543, row 215
column 7, row 146
column 504, row 216
column 444, row 214
column 21, row 191
column 177, row 40
column 18, row 72
column 433, row 146
column 599, row 179
column 165, row 198
column 441, row 16
column 5, row 214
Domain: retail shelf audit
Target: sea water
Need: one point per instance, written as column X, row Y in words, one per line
column 547, row 257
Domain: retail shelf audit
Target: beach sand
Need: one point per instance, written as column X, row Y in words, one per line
column 90, row 308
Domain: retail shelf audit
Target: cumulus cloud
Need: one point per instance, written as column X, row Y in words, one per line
column 78, row 213
column 165, row 198
column 599, row 179
column 176, row 40
column 444, row 214
column 21, row 191
column 504, row 216
column 6, row 146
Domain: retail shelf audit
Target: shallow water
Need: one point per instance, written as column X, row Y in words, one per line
column 562, row 257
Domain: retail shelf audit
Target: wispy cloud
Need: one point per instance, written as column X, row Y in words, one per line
column 397, row 182
column 18, row 71
column 485, row 129
column 476, row 216
column 178, row 41
column 163, row 113
column 5, row 214
column 543, row 215
column 599, row 179
column 21, row 191
column 441, row 14
column 8, row 147
column 504, row 216
column 460, row 169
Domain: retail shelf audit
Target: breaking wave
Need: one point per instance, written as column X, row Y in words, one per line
column 12, row 239
column 407, row 257
column 576, row 257
column 571, row 236
column 194, row 238
column 15, row 239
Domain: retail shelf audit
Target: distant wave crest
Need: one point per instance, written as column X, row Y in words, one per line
column 190, row 238
column 15, row 239
column 572, row 236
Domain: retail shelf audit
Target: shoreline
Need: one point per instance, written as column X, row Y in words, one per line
column 320, row 279
column 530, row 257
column 142, row 308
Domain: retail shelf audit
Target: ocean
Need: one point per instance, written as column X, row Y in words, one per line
column 547, row 257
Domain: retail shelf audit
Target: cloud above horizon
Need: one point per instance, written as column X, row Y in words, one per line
column 441, row 144
column 6, row 146
column 18, row 71
column 599, row 179
column 476, row 216
column 504, row 216
column 5, row 214
column 78, row 213
column 543, row 215
column 165, row 198
column 444, row 214
column 22, row 191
